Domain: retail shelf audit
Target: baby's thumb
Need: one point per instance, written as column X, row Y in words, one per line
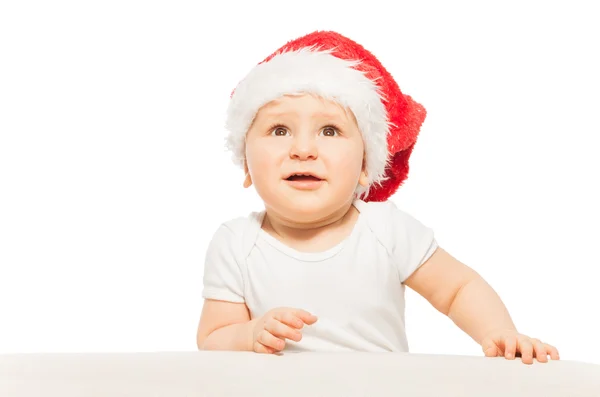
column 490, row 349
column 492, row 352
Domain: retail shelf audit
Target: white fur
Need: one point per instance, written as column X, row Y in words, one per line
column 320, row 73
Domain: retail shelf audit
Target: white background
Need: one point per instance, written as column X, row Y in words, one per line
column 113, row 173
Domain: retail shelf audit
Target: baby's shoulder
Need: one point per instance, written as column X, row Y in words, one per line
column 385, row 214
column 239, row 233
column 390, row 223
column 238, row 225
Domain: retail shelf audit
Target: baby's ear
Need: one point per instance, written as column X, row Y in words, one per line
column 248, row 178
column 363, row 180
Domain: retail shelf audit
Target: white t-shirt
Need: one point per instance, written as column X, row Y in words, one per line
column 355, row 288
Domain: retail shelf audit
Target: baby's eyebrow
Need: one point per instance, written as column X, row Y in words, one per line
column 324, row 115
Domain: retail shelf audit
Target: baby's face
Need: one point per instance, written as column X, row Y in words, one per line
column 304, row 156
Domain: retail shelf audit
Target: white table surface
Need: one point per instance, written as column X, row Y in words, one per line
column 199, row 373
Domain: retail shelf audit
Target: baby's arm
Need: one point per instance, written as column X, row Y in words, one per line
column 227, row 326
column 462, row 294
column 469, row 301
column 224, row 326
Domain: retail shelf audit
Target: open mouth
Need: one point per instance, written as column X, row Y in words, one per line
column 303, row 178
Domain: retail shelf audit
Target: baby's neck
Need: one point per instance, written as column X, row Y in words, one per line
column 315, row 236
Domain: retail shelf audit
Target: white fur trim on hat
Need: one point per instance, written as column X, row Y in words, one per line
column 322, row 74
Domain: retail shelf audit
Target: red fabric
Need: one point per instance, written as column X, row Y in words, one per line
column 405, row 115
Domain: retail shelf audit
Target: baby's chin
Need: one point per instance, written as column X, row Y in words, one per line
column 308, row 209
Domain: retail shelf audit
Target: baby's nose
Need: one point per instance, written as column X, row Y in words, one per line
column 303, row 149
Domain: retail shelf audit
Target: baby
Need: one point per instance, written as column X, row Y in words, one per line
column 324, row 135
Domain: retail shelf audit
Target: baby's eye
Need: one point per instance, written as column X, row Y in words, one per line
column 280, row 131
column 330, row 131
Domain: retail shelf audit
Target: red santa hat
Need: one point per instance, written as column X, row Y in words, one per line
column 334, row 67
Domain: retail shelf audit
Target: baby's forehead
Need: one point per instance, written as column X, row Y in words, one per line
column 305, row 105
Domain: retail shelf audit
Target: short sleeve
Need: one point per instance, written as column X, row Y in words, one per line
column 223, row 279
column 413, row 242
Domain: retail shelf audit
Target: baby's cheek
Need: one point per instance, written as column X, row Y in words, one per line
column 258, row 155
column 263, row 162
column 349, row 160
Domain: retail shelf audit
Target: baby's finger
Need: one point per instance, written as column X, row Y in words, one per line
column 540, row 351
column 290, row 319
column 552, row 351
column 267, row 339
column 260, row 348
column 510, row 347
column 526, row 349
column 489, row 348
column 305, row 316
column 281, row 330
column 491, row 351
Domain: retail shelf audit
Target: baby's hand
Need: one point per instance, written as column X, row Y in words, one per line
column 510, row 344
column 276, row 325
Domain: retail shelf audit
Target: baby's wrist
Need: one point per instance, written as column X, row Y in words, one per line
column 499, row 331
column 250, row 325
